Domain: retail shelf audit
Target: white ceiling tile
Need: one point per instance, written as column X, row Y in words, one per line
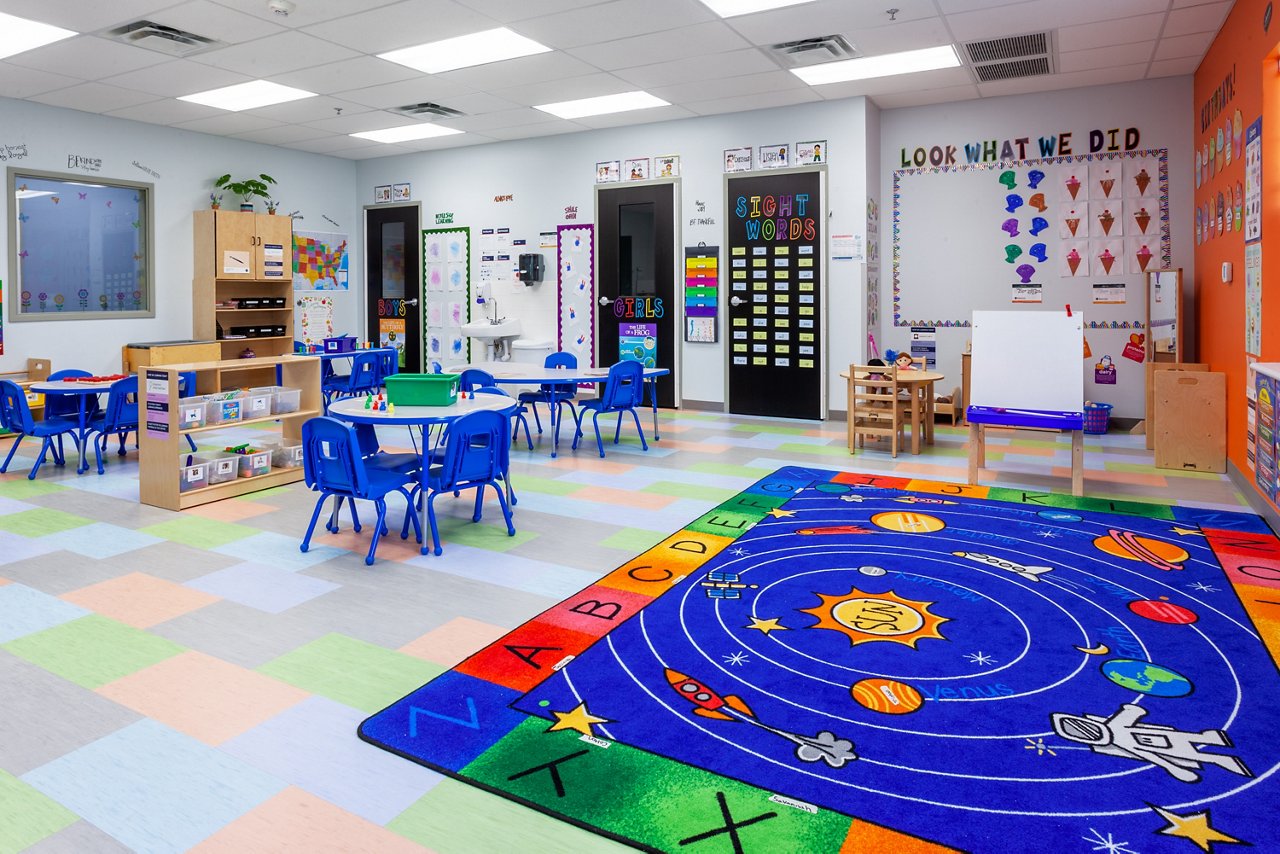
column 93, row 97
column 951, row 7
column 1180, row 46
column 938, row 79
column 177, row 77
column 309, row 110
column 1037, row 15
column 1105, row 57
column 867, row 24
column 478, row 103
column 501, row 119
column 587, row 86
column 507, row 11
column 84, row 17
column 704, row 39
column 732, row 64
column 331, row 144
column 617, row 20
column 439, row 142
column 281, row 134
column 287, row 51
column 538, row 68
column 1106, row 33
column 403, row 24
column 1196, row 19
column 228, row 124
column 414, row 91
column 924, row 97
column 1174, row 67
column 356, row 73
column 308, row 12
column 166, row 111
column 728, row 87
column 763, row 101
column 636, row 117
column 1074, row 80
column 87, row 56
column 216, row 21
column 554, row 128
column 19, row 82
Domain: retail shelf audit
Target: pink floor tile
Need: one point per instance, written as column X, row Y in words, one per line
column 454, row 641
column 140, row 600
column 391, row 547
column 623, row 497
column 297, row 821
column 206, row 698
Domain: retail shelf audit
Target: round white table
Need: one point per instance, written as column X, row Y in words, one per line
column 82, row 392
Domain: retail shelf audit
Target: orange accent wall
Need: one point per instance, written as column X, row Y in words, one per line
column 1244, row 46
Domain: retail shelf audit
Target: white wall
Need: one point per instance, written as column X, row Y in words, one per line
column 1158, row 108
column 186, row 164
column 545, row 175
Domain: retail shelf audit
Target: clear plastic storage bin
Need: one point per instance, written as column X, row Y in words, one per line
column 257, row 403
column 223, row 465
column 283, row 399
column 221, row 410
column 192, row 473
column 191, row 412
column 255, row 463
column 285, row 453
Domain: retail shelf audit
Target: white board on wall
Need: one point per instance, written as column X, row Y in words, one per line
column 1028, row 360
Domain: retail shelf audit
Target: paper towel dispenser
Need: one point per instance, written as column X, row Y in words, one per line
column 529, row 269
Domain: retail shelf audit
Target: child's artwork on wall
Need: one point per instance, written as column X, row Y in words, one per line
column 1075, row 221
column 446, row 269
column 1104, row 181
column 607, row 172
column 575, row 258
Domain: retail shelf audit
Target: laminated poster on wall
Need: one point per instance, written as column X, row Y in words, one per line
column 1104, row 371
column 1030, row 293
column 774, row 157
column 636, row 169
column 1109, row 293
column 638, row 342
column 314, row 319
column 1253, row 298
column 738, row 160
column 1134, row 349
column 808, row 153
column 608, row 171
column 924, row 344
column 391, row 332
column 320, row 261
column 1253, row 181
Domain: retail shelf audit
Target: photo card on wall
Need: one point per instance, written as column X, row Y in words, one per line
column 636, row 168
column 607, row 172
column 666, row 166
column 775, row 156
column 808, row 153
column 738, row 159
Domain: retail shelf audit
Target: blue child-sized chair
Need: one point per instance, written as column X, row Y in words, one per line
column 66, row 407
column 187, row 388
column 623, row 392
column 363, row 379
column 564, row 393
column 388, row 366
column 477, row 455
column 120, row 418
column 15, row 416
column 333, row 466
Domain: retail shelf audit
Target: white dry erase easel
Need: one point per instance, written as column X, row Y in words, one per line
column 1007, row 392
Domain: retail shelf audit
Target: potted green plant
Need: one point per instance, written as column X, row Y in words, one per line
column 272, row 205
column 215, row 200
column 246, row 188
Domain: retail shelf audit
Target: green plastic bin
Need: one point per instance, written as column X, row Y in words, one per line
column 422, row 389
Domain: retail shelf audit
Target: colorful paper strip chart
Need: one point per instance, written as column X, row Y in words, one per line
column 701, row 293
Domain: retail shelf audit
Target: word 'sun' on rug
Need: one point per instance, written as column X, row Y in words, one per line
column 840, row 662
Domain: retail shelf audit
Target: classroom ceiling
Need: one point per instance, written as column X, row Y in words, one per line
column 678, row 50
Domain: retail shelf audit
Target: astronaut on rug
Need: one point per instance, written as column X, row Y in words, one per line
column 1174, row 750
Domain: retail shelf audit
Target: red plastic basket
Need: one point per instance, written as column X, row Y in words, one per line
column 1097, row 417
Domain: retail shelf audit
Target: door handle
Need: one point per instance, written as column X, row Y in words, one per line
column 411, row 302
column 736, row 301
column 605, row 300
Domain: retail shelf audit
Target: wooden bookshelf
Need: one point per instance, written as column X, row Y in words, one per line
column 159, row 469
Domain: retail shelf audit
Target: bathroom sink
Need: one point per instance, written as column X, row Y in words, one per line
column 509, row 328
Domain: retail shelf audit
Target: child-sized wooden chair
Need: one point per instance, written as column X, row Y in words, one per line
column 875, row 409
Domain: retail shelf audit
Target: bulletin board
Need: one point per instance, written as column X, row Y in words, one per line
column 1001, row 377
column 446, row 289
column 986, row 236
column 575, row 262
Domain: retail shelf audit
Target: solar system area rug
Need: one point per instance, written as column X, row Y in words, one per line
column 841, row 662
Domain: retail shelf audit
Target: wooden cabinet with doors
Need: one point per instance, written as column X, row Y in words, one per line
column 243, row 285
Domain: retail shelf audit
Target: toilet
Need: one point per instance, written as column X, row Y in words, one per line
column 530, row 351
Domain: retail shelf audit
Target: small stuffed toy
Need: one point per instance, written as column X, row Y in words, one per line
column 902, row 359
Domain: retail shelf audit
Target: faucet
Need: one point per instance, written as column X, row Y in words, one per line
column 495, row 320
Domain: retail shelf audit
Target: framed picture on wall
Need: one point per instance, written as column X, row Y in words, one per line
column 79, row 248
column 667, row 166
column 775, row 156
column 808, row 153
column 738, row 159
column 636, row 169
column 401, row 192
column 607, row 172
column 382, row 194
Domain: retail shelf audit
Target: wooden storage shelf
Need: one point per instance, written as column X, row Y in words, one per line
column 247, row 310
column 158, row 465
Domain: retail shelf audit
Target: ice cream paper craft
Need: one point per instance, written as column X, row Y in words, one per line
column 1106, row 219
column 1142, row 219
column 1142, row 179
column 1106, row 259
column 1037, row 202
column 1073, row 186
column 1143, row 257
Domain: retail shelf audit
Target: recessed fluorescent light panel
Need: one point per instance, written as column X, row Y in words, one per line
column 404, row 133
column 620, row 103
column 18, row 35
column 885, row 65
column 731, row 8
column 248, row 96
column 465, row 51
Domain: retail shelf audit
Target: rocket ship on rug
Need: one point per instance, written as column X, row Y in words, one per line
column 1031, row 573
column 707, row 703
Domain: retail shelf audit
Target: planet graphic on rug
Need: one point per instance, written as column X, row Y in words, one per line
column 905, row 522
column 1146, row 678
column 1060, row 516
column 873, row 570
column 886, row 696
column 1163, row 612
column 1129, row 546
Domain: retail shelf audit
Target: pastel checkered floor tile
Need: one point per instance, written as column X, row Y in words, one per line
column 177, row 681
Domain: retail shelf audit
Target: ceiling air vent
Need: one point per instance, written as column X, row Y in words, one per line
column 813, row 50
column 162, row 39
column 426, row 108
column 1010, row 58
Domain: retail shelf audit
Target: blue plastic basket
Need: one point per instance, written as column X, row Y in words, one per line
column 1097, row 417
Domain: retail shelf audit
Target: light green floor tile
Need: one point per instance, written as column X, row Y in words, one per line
column 199, row 532
column 26, row 816
column 685, row 415
column 489, row 533
column 38, row 523
column 93, row 650
column 21, row 488
column 771, row 428
column 359, row 674
column 263, row 493
column 752, row 473
column 523, row 483
column 454, row 818
column 633, row 540
column 690, row 490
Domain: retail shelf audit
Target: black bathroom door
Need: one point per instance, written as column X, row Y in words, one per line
column 635, row 287
column 393, row 285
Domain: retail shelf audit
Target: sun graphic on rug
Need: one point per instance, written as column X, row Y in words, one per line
column 865, row 617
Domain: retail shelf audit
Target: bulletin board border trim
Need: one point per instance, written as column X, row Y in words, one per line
column 1166, row 250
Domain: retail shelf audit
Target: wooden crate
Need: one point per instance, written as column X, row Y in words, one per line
column 1191, row 414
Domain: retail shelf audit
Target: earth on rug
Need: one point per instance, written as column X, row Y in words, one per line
column 841, row 662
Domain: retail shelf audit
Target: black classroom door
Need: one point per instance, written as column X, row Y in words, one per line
column 635, row 286
column 394, row 287
column 773, row 262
